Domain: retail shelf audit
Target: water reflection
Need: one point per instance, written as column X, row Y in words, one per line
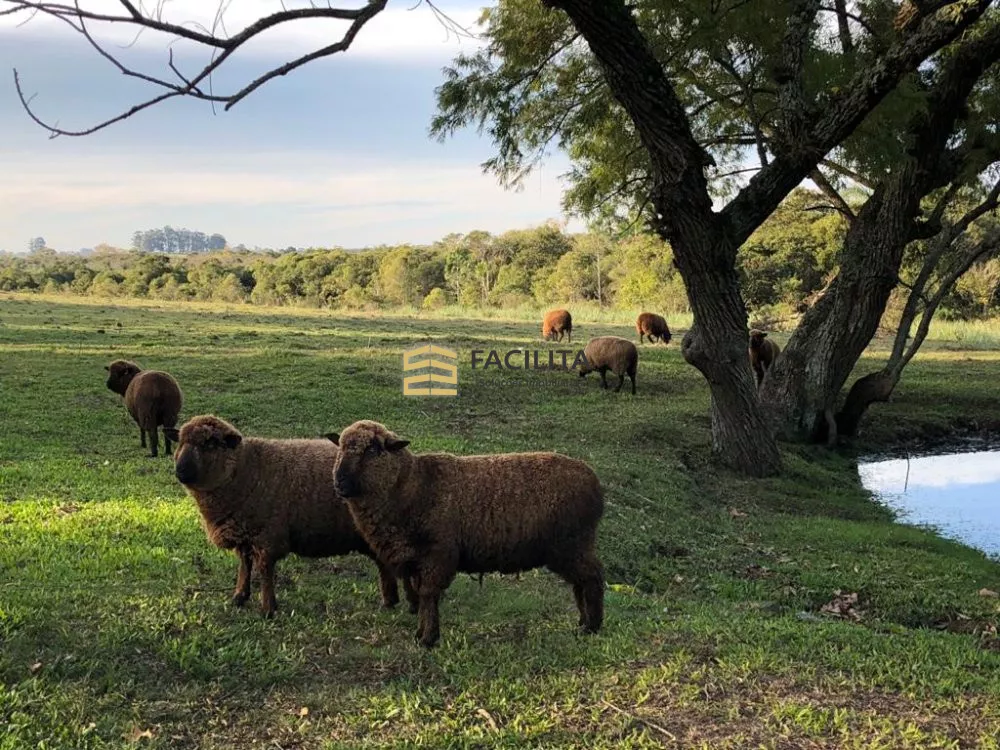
column 958, row 493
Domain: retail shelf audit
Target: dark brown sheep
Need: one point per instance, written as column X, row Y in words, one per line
column 763, row 352
column 152, row 398
column 434, row 515
column 265, row 499
column 556, row 323
column 611, row 353
column 653, row 326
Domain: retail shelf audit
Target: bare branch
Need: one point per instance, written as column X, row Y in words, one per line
column 847, row 172
column 831, row 192
column 223, row 46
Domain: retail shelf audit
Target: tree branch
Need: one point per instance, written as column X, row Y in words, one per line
column 831, row 192
column 843, row 112
column 136, row 16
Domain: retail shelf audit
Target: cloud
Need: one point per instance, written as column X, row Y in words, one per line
column 393, row 34
column 269, row 198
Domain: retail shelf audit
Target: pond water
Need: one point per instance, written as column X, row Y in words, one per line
column 957, row 493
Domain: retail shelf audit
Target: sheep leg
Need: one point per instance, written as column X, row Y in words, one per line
column 411, row 595
column 142, row 437
column 430, row 583
column 387, row 586
column 640, row 337
column 631, row 375
column 621, row 381
column 604, row 378
column 242, row 593
column 429, row 628
column 586, row 576
column 265, row 567
column 569, row 333
column 154, row 442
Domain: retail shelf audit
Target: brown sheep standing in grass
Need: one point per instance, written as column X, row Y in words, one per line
column 265, row 499
column 611, row 353
column 653, row 326
column 434, row 515
column 556, row 323
column 763, row 352
column 152, row 398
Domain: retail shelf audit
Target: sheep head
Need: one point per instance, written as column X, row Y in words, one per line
column 120, row 374
column 369, row 462
column 207, row 451
column 757, row 338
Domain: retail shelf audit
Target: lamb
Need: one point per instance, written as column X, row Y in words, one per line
column 152, row 398
column 267, row 498
column 434, row 515
column 556, row 323
column 611, row 353
column 763, row 352
column 653, row 326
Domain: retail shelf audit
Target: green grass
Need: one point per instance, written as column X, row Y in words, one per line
column 115, row 628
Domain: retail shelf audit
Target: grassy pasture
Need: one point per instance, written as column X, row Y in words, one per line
column 115, row 628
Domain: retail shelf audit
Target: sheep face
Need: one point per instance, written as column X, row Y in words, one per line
column 120, row 374
column 369, row 462
column 207, row 452
column 757, row 338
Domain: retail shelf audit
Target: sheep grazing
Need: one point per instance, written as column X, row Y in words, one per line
column 611, row 353
column 434, row 515
column 556, row 323
column 763, row 352
column 265, row 499
column 653, row 326
column 152, row 398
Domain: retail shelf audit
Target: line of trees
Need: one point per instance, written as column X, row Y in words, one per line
column 783, row 267
column 170, row 240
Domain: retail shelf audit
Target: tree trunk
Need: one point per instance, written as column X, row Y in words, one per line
column 873, row 388
column 809, row 375
column 704, row 251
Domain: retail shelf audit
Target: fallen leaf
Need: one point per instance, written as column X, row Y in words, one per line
column 734, row 513
column 35, row 667
column 489, row 719
column 678, row 579
column 989, row 592
column 140, row 734
column 843, row 605
column 304, row 711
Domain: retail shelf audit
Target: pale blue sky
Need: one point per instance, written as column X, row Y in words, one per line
column 334, row 154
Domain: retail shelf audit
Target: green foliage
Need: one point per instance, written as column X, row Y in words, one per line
column 116, row 629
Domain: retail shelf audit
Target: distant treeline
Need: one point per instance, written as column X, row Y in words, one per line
column 784, row 265
column 170, row 240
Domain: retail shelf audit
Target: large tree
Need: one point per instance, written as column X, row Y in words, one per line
column 898, row 100
column 670, row 76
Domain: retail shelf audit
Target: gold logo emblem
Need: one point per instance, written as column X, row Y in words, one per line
column 429, row 358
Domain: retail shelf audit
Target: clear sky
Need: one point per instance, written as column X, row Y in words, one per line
column 336, row 153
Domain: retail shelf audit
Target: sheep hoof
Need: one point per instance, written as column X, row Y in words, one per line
column 239, row 599
column 269, row 613
column 387, row 604
column 427, row 642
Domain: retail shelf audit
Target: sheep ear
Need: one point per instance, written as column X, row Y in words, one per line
column 232, row 441
column 395, row 444
column 172, row 434
column 763, row 334
column 107, row 368
column 333, row 437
